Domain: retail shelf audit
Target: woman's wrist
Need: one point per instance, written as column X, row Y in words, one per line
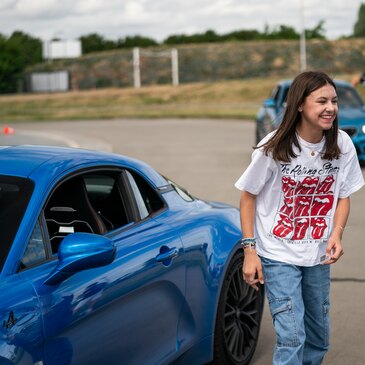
column 248, row 243
column 338, row 231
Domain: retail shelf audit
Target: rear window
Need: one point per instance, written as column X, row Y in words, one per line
column 15, row 193
column 348, row 97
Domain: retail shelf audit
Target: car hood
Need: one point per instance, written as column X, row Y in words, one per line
column 350, row 116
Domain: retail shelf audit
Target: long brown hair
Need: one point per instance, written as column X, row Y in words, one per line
column 281, row 143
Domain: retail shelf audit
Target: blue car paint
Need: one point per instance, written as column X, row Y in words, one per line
column 133, row 300
column 55, row 164
column 81, row 251
column 206, row 264
column 347, row 117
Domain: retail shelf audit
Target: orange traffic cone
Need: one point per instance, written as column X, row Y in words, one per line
column 8, row 130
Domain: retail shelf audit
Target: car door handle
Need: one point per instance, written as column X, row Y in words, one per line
column 167, row 254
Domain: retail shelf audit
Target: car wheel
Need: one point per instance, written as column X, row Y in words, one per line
column 238, row 318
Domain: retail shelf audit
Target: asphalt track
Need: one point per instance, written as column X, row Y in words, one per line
column 206, row 157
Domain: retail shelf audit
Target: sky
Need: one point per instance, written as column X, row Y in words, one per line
column 157, row 19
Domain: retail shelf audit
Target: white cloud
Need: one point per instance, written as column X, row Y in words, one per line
column 161, row 18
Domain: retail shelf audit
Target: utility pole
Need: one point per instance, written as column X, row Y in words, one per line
column 303, row 52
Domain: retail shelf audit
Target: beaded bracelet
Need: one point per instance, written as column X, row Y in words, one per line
column 248, row 242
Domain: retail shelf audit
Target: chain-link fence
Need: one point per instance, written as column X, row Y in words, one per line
column 212, row 62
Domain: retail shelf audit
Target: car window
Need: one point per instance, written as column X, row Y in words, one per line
column 181, row 191
column 15, row 194
column 141, row 205
column 348, row 97
column 274, row 93
column 147, row 199
column 107, row 198
column 91, row 203
column 284, row 95
column 35, row 252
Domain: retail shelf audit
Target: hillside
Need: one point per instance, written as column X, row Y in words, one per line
column 212, row 62
column 223, row 99
column 227, row 80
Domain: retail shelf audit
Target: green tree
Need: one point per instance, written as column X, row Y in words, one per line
column 317, row 32
column 359, row 27
column 11, row 66
column 30, row 47
column 242, row 35
column 95, row 43
column 283, row 32
column 16, row 53
column 206, row 37
column 136, row 41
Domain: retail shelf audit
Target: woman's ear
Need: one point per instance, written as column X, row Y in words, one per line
column 300, row 109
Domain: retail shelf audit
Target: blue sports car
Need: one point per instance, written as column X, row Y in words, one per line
column 105, row 261
column 351, row 114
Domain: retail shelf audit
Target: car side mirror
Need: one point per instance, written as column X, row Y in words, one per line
column 269, row 103
column 81, row 251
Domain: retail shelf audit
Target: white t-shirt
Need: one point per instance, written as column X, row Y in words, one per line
column 296, row 201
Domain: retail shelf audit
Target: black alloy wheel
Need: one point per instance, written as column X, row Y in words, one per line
column 238, row 318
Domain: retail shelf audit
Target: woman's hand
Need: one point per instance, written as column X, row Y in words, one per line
column 252, row 269
column 334, row 249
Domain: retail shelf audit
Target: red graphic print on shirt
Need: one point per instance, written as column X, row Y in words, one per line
column 300, row 228
column 288, row 186
column 322, row 204
column 325, row 186
column 288, row 207
column 302, row 205
column 307, row 202
column 318, row 227
column 307, row 186
column 284, row 227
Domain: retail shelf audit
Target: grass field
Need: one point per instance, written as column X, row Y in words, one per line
column 226, row 99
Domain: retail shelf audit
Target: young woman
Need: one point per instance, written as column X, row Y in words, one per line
column 294, row 208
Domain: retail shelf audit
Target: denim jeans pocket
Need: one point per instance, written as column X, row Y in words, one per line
column 284, row 321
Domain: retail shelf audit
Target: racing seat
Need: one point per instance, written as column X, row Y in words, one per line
column 69, row 210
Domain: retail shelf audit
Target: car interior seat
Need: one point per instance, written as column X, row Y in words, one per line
column 69, row 210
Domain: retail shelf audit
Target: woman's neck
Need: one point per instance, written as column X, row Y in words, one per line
column 310, row 135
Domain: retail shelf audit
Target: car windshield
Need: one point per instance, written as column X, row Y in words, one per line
column 15, row 193
column 348, row 97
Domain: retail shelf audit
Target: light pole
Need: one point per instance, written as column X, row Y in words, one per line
column 303, row 52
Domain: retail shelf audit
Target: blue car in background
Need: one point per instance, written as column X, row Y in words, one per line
column 351, row 114
column 105, row 261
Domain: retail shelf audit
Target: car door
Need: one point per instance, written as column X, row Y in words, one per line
column 126, row 312
column 21, row 334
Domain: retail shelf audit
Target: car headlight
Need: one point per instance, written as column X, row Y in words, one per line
column 363, row 129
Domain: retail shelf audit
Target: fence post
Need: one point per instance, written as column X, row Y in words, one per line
column 175, row 67
column 136, row 68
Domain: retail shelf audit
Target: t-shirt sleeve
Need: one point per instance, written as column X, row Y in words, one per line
column 257, row 174
column 352, row 178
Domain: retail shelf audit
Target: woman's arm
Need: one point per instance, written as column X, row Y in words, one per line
column 334, row 247
column 252, row 269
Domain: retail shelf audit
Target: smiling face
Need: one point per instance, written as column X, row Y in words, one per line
column 318, row 112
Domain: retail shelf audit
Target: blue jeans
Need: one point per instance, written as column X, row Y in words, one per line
column 299, row 304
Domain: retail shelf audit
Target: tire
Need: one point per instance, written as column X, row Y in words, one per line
column 238, row 318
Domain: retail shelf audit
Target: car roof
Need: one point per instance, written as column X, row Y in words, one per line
column 28, row 160
column 288, row 82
